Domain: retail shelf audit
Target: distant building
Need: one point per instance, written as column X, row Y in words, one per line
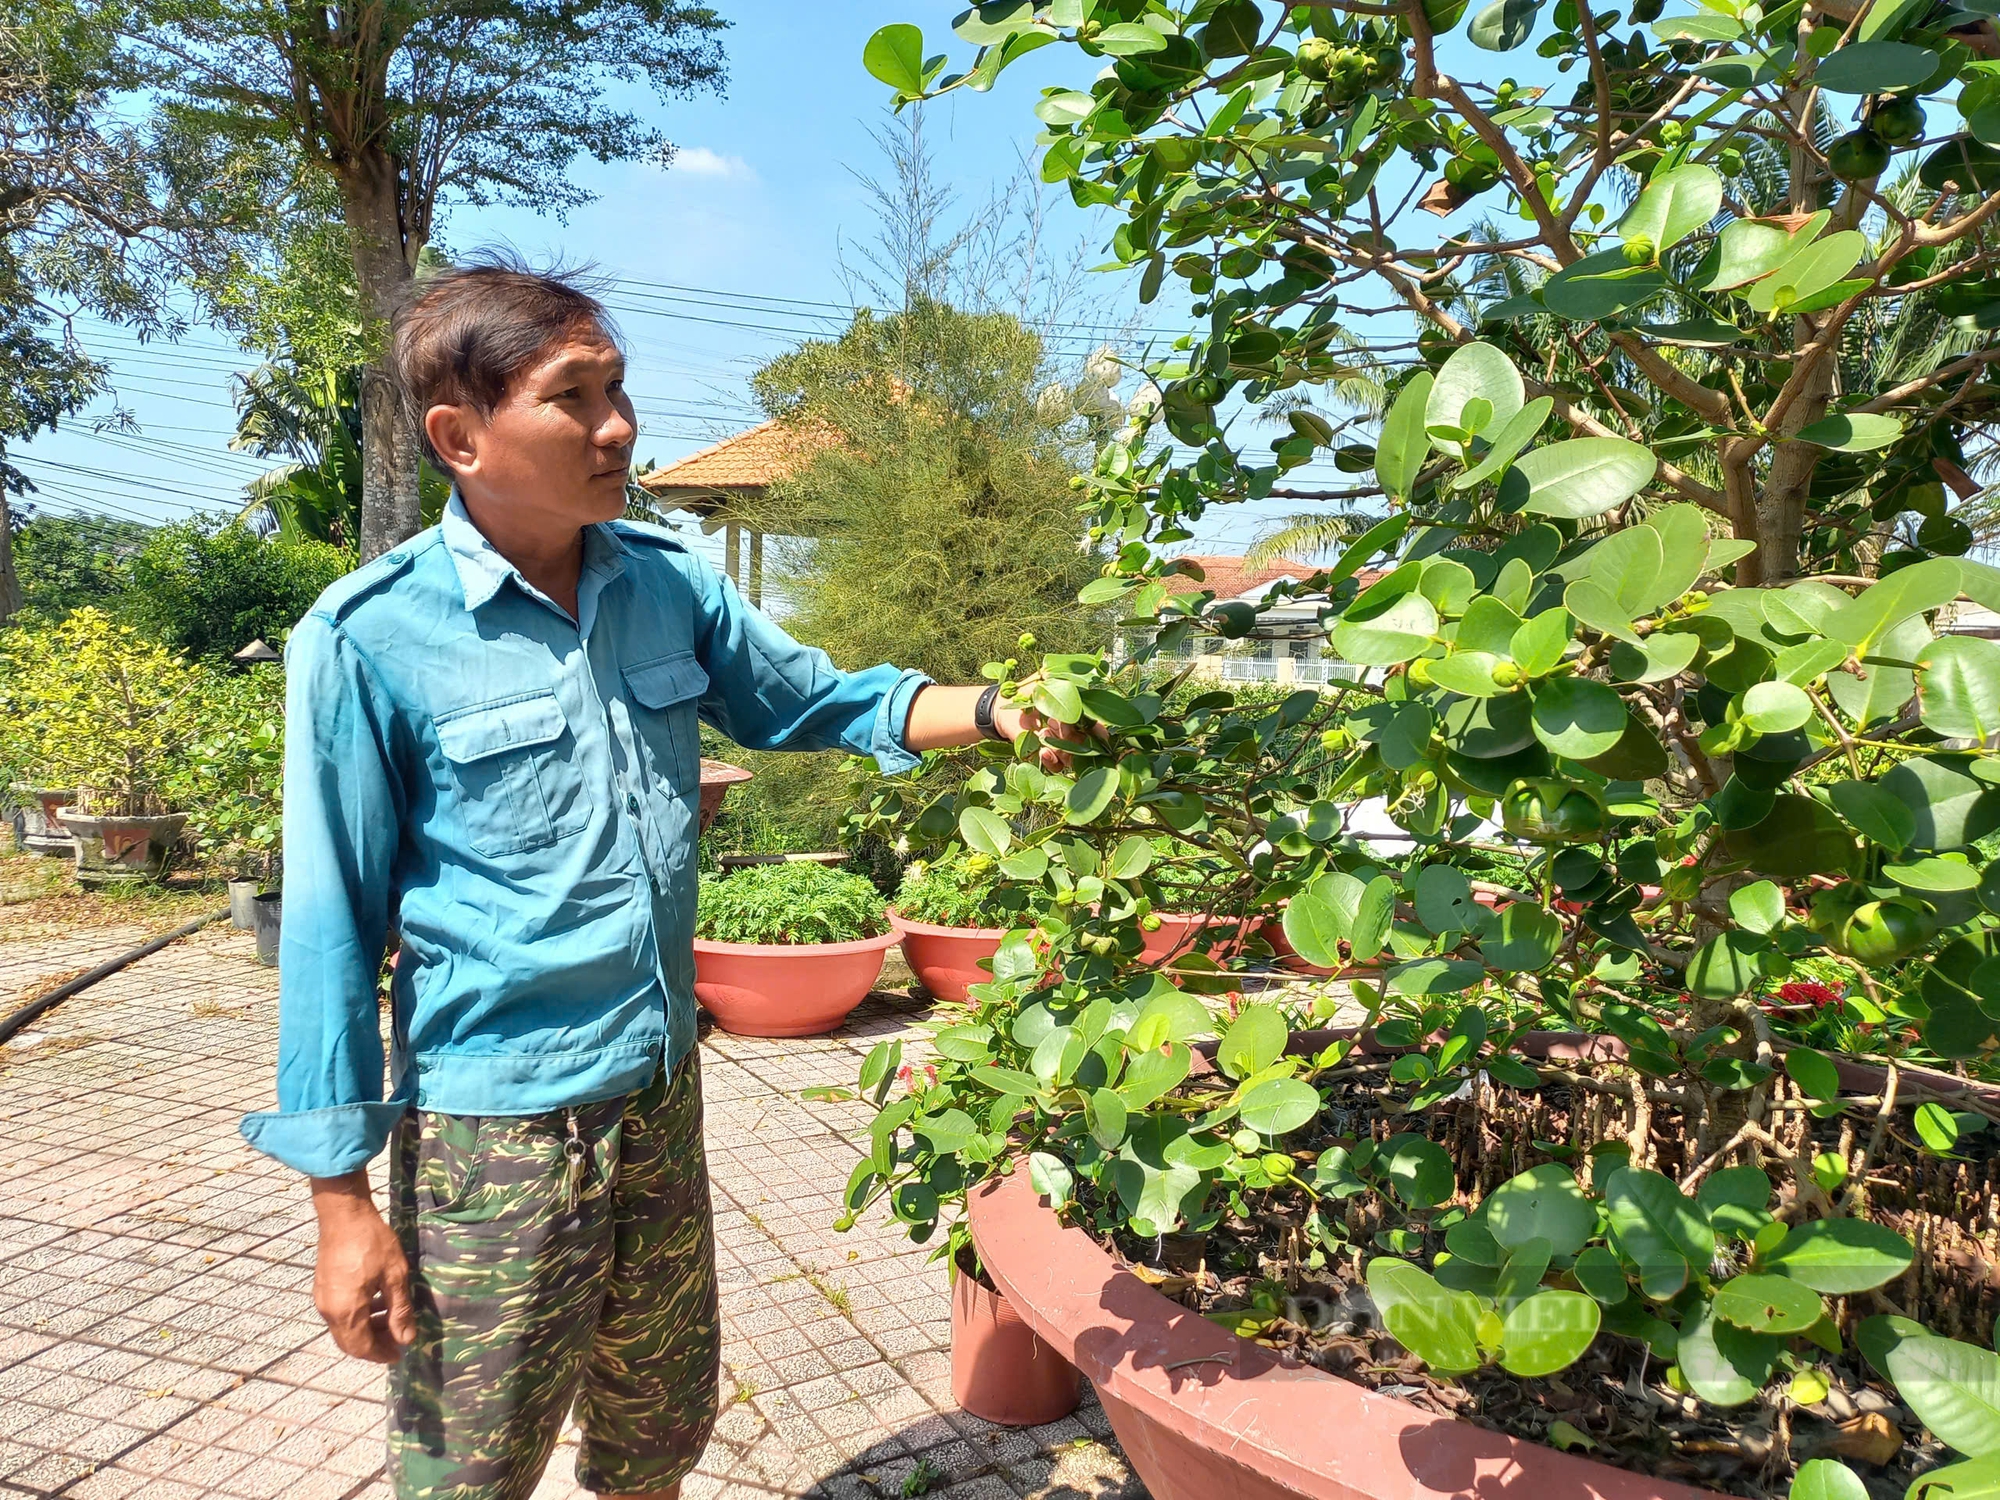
column 1285, row 647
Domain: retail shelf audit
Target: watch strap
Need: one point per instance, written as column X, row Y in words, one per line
column 982, row 713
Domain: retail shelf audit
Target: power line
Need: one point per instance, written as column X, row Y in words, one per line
column 126, row 479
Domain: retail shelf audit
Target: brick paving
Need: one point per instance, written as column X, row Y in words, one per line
column 157, row 1337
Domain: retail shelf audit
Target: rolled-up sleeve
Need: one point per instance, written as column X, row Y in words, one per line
column 768, row 692
column 343, row 813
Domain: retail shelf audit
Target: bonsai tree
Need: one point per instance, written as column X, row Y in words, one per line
column 234, row 774
column 1657, row 660
column 102, row 709
column 960, row 890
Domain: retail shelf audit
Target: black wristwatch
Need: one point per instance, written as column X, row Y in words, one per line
column 982, row 713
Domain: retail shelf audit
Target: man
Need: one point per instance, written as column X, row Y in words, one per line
column 492, row 747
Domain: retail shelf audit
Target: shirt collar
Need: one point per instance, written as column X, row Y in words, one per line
column 481, row 568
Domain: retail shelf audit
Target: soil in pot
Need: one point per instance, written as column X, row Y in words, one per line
column 1254, row 1276
column 1001, row 1369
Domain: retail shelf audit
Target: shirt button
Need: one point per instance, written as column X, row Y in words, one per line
column 394, row 558
column 632, row 803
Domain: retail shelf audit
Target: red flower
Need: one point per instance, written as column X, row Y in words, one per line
column 1808, row 992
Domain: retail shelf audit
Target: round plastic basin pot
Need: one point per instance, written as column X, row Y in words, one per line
column 1001, row 1369
column 801, row 989
column 946, row 959
column 1204, row 1415
column 112, row 849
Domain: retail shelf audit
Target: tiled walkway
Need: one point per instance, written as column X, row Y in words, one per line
column 157, row 1338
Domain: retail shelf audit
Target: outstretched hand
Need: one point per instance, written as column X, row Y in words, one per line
column 1013, row 721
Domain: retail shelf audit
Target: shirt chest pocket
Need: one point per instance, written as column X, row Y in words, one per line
column 665, row 694
column 514, row 776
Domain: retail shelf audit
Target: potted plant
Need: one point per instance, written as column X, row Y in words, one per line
column 1665, row 528
column 234, row 783
column 787, row 949
column 114, row 715
column 950, row 919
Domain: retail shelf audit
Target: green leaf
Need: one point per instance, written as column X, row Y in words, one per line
column 1372, row 916
column 1759, row 906
column 1599, row 1273
column 1936, row 1128
column 1539, row 645
column 1768, row 1304
column 1954, row 1389
column 1626, row 565
column 1660, row 1229
column 1395, row 635
column 1959, row 688
column 1091, row 795
column 1503, row 25
column 1974, row 1479
column 1278, row 1105
column 1884, row 690
column 1776, row 707
column 1506, row 442
column 1950, row 805
column 1600, row 286
column 1875, row 68
column 1747, row 249
column 1443, row 899
column 1313, row 924
column 1418, row 1170
column 1578, row 718
column 1254, row 1042
column 1132, row 858
column 1404, row 445
column 1433, row 1323
column 1814, row 1072
column 1796, row 838
column 1548, row 1332
column 1583, row 477
column 1594, row 606
column 1104, row 1115
column 1841, row 1256
column 895, row 55
column 1468, row 672
column 1543, row 1202
column 1377, row 538
column 1727, row 965
column 1880, row 817
column 994, row 21
column 985, row 831
column 1130, row 39
column 1852, row 432
column 1521, row 939
column 1058, row 700
column 1722, row 1364
column 1809, row 271
column 1007, row 1081
column 1050, row 1178
column 1673, row 206
column 1475, row 372
column 1933, row 874
column 1150, row 1076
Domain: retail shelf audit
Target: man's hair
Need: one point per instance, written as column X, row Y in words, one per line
column 469, row 331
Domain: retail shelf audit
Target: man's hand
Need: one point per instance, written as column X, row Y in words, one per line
column 1015, row 721
column 361, row 1278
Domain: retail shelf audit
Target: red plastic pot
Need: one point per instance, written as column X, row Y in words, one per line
column 1175, row 936
column 798, row 989
column 946, row 959
column 1204, row 1415
column 1001, row 1369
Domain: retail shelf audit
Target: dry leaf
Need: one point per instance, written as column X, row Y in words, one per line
column 1871, row 1437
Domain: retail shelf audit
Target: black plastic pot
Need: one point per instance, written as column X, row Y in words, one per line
column 268, row 911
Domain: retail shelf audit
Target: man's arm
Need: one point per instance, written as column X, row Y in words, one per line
column 343, row 816
column 942, row 717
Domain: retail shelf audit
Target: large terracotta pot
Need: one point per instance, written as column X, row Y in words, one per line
column 1205, row 1415
column 1175, row 936
column 1001, row 1369
column 111, row 849
column 798, row 989
column 946, row 959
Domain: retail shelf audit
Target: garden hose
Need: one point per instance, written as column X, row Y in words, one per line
column 14, row 1021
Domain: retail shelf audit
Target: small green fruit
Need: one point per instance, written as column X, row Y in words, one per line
column 1639, row 251
column 1505, row 674
column 1880, row 933
column 1858, row 155
column 1898, row 121
column 1277, row 1166
column 1419, row 672
column 1547, row 811
column 1233, row 619
column 1316, row 58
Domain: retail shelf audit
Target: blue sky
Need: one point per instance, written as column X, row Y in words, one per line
column 722, row 261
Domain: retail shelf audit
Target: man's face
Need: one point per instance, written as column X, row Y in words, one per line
column 558, row 445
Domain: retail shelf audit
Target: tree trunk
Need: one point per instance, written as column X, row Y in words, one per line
column 383, row 261
column 10, row 585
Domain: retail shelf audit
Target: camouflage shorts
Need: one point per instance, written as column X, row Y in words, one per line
column 556, row 1258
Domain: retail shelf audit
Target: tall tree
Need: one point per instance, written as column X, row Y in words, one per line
column 407, row 104
column 96, row 213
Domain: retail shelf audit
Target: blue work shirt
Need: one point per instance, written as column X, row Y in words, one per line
column 515, row 790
